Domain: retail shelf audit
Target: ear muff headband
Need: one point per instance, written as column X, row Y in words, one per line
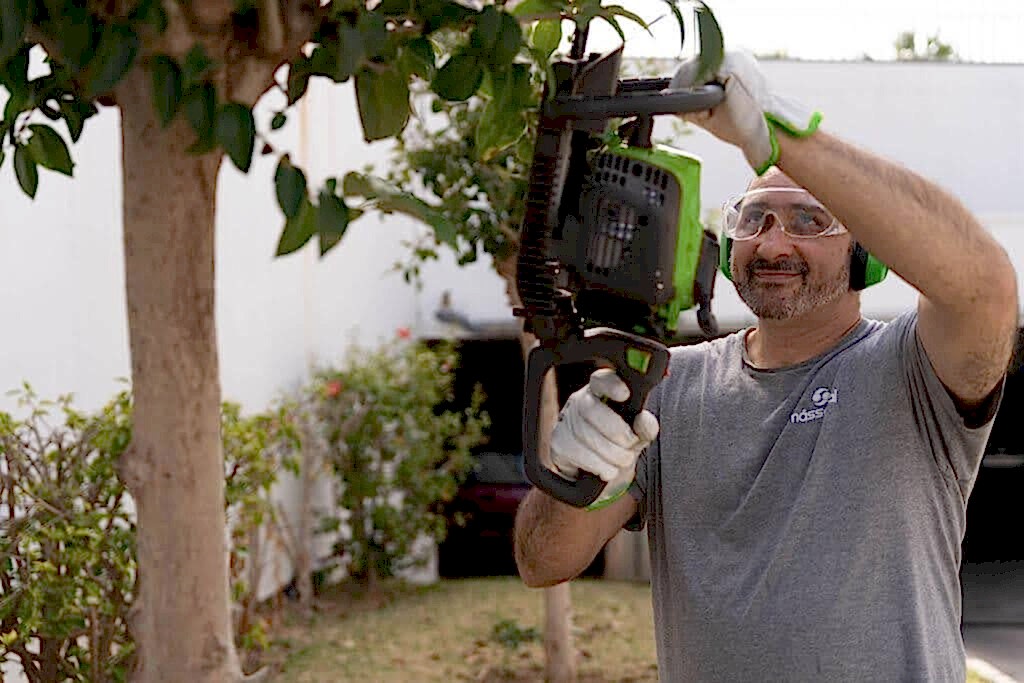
column 865, row 269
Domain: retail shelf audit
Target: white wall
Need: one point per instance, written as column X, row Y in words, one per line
column 61, row 255
column 62, row 264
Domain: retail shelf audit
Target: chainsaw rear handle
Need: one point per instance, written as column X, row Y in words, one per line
column 640, row 362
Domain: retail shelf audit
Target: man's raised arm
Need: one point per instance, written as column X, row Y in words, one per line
column 968, row 308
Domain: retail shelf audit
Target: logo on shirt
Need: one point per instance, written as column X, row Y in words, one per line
column 822, row 398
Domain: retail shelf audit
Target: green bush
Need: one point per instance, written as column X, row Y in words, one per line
column 67, row 541
column 396, row 451
column 67, row 534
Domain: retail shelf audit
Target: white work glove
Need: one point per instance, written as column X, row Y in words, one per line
column 590, row 436
column 751, row 114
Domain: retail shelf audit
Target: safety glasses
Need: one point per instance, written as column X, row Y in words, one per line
column 796, row 211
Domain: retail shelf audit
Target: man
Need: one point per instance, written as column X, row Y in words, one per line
column 805, row 491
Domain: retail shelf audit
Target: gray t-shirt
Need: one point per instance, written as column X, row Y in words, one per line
column 805, row 523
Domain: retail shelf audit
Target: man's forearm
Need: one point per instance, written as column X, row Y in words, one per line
column 554, row 542
column 905, row 220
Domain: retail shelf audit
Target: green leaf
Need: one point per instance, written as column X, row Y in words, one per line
column 13, row 20
column 236, row 133
column 502, row 121
column 417, row 58
column 14, row 73
column 533, row 8
column 508, row 43
column 298, row 230
column 488, row 27
column 196, row 65
column 611, row 11
column 298, row 79
column 75, row 114
column 114, row 56
column 290, row 186
column 383, row 98
column 390, row 199
column 332, row 220
column 677, row 13
column 166, row 88
column 49, row 149
column 25, row 169
column 709, row 59
column 438, row 14
column 546, row 36
column 201, row 112
column 375, row 37
column 350, row 53
column 278, row 121
column 459, row 78
column 75, row 32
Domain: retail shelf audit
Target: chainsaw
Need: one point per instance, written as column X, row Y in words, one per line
column 612, row 248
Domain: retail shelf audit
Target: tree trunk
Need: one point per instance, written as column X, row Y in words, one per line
column 181, row 619
column 304, row 546
column 559, row 652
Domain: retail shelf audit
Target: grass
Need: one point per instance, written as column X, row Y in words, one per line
column 447, row 633
column 452, row 632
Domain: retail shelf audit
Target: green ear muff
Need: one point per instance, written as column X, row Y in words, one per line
column 724, row 253
column 865, row 269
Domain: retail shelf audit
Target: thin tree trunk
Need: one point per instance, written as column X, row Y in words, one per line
column 181, row 618
column 304, row 545
column 559, row 651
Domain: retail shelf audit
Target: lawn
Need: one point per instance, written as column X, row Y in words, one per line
column 467, row 630
column 454, row 631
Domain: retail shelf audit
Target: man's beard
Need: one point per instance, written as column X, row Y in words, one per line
column 769, row 301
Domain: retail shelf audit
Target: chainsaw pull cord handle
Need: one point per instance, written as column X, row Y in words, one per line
column 640, row 362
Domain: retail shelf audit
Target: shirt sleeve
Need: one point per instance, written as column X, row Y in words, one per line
column 957, row 443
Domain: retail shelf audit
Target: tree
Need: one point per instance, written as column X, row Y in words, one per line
column 184, row 77
column 935, row 49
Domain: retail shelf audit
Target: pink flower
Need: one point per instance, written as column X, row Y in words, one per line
column 403, row 332
column 332, row 389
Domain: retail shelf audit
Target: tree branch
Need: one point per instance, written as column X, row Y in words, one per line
column 272, row 26
column 207, row 16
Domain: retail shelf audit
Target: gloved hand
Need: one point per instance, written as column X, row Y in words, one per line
column 593, row 437
column 751, row 114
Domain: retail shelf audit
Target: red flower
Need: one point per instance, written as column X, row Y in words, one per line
column 332, row 389
column 403, row 332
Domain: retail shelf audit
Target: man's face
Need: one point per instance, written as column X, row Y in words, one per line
column 780, row 276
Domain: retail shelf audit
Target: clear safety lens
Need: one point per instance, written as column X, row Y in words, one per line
column 798, row 212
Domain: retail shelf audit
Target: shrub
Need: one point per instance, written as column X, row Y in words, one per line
column 67, row 534
column 67, row 541
column 396, row 450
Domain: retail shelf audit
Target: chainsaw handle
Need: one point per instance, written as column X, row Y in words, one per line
column 634, row 102
column 640, row 362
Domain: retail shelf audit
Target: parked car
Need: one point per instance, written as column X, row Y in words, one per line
column 482, row 516
column 482, row 520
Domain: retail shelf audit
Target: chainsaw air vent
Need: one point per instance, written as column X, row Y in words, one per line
column 617, row 225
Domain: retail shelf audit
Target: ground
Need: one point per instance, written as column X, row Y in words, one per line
column 466, row 630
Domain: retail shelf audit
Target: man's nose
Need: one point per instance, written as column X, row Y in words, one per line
column 773, row 242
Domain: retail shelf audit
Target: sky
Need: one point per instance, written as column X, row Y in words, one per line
column 978, row 30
